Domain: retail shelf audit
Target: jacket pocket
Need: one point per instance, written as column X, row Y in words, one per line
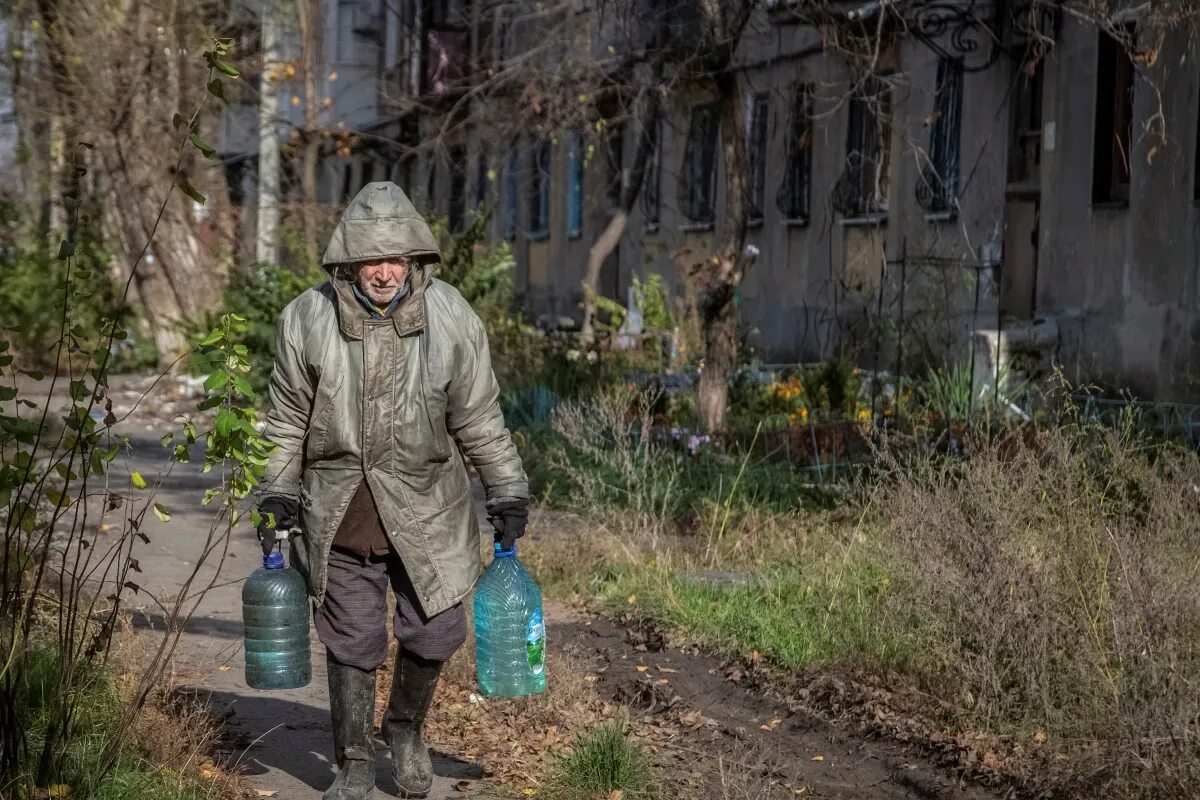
column 321, row 420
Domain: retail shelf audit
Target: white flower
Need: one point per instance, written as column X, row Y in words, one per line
column 591, row 356
column 572, row 355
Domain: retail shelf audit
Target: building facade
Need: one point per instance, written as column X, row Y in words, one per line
column 968, row 194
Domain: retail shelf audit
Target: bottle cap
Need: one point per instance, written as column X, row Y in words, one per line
column 273, row 561
column 502, row 552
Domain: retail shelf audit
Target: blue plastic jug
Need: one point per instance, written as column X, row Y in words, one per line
column 275, row 614
column 510, row 634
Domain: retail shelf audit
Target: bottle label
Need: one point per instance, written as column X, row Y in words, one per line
column 535, row 643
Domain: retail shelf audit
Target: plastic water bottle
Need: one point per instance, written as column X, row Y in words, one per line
column 510, row 634
column 275, row 613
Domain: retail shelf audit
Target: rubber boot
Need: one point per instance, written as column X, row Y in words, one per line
column 413, row 684
column 352, row 709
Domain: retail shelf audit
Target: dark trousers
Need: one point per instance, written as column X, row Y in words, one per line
column 352, row 622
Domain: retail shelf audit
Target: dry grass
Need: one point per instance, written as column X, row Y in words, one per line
column 1057, row 578
column 1040, row 596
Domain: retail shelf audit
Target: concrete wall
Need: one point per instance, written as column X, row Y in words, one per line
column 1121, row 281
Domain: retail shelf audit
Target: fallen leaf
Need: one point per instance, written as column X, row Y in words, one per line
column 770, row 726
column 615, row 794
column 1039, row 737
column 462, row 786
column 59, row 790
column 642, row 668
column 224, row 668
column 590, row 678
column 632, row 599
column 266, row 792
column 667, row 669
column 662, row 681
column 528, row 791
column 818, row 758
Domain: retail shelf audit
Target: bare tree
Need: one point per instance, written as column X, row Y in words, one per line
column 112, row 75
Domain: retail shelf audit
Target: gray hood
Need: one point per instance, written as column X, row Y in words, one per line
column 380, row 222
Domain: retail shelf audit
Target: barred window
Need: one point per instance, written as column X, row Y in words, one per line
column 698, row 177
column 651, row 180
column 512, row 186
column 575, row 186
column 937, row 189
column 862, row 189
column 795, row 191
column 614, row 153
column 539, row 197
column 758, row 105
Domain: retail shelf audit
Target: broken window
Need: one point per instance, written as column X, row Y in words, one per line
column 937, row 189
column 1114, row 117
column 458, row 188
column 650, row 182
column 757, row 107
column 575, row 186
column 512, row 186
column 539, row 197
column 862, row 189
column 792, row 199
column 698, row 177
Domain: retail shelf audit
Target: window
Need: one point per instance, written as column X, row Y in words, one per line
column 431, row 184
column 1114, row 118
column 794, row 192
column 698, row 177
column 615, row 162
column 650, row 182
column 757, row 106
column 458, row 188
column 512, row 186
column 482, row 179
column 575, row 186
column 539, row 198
column 862, row 189
column 937, row 189
column 1025, row 144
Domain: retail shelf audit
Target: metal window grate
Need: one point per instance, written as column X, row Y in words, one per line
column 862, row 189
column 937, row 188
column 793, row 197
column 756, row 145
column 698, row 177
column 650, row 188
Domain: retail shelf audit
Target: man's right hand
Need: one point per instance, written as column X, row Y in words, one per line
column 286, row 512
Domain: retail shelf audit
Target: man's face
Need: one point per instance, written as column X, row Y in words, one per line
column 379, row 280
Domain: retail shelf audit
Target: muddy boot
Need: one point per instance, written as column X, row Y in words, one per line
column 352, row 708
column 412, row 692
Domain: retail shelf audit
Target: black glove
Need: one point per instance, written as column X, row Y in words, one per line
column 287, row 516
column 509, row 518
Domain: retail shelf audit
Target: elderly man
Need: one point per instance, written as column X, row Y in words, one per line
column 379, row 372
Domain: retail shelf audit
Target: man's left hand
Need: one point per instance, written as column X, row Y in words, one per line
column 509, row 518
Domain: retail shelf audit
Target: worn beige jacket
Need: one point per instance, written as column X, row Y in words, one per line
column 399, row 401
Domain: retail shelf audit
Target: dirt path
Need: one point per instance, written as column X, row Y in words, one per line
column 713, row 736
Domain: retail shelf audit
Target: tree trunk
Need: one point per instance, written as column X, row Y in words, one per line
column 267, row 240
column 723, row 278
column 631, row 188
column 311, row 65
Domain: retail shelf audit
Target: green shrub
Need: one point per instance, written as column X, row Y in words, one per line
column 34, row 287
